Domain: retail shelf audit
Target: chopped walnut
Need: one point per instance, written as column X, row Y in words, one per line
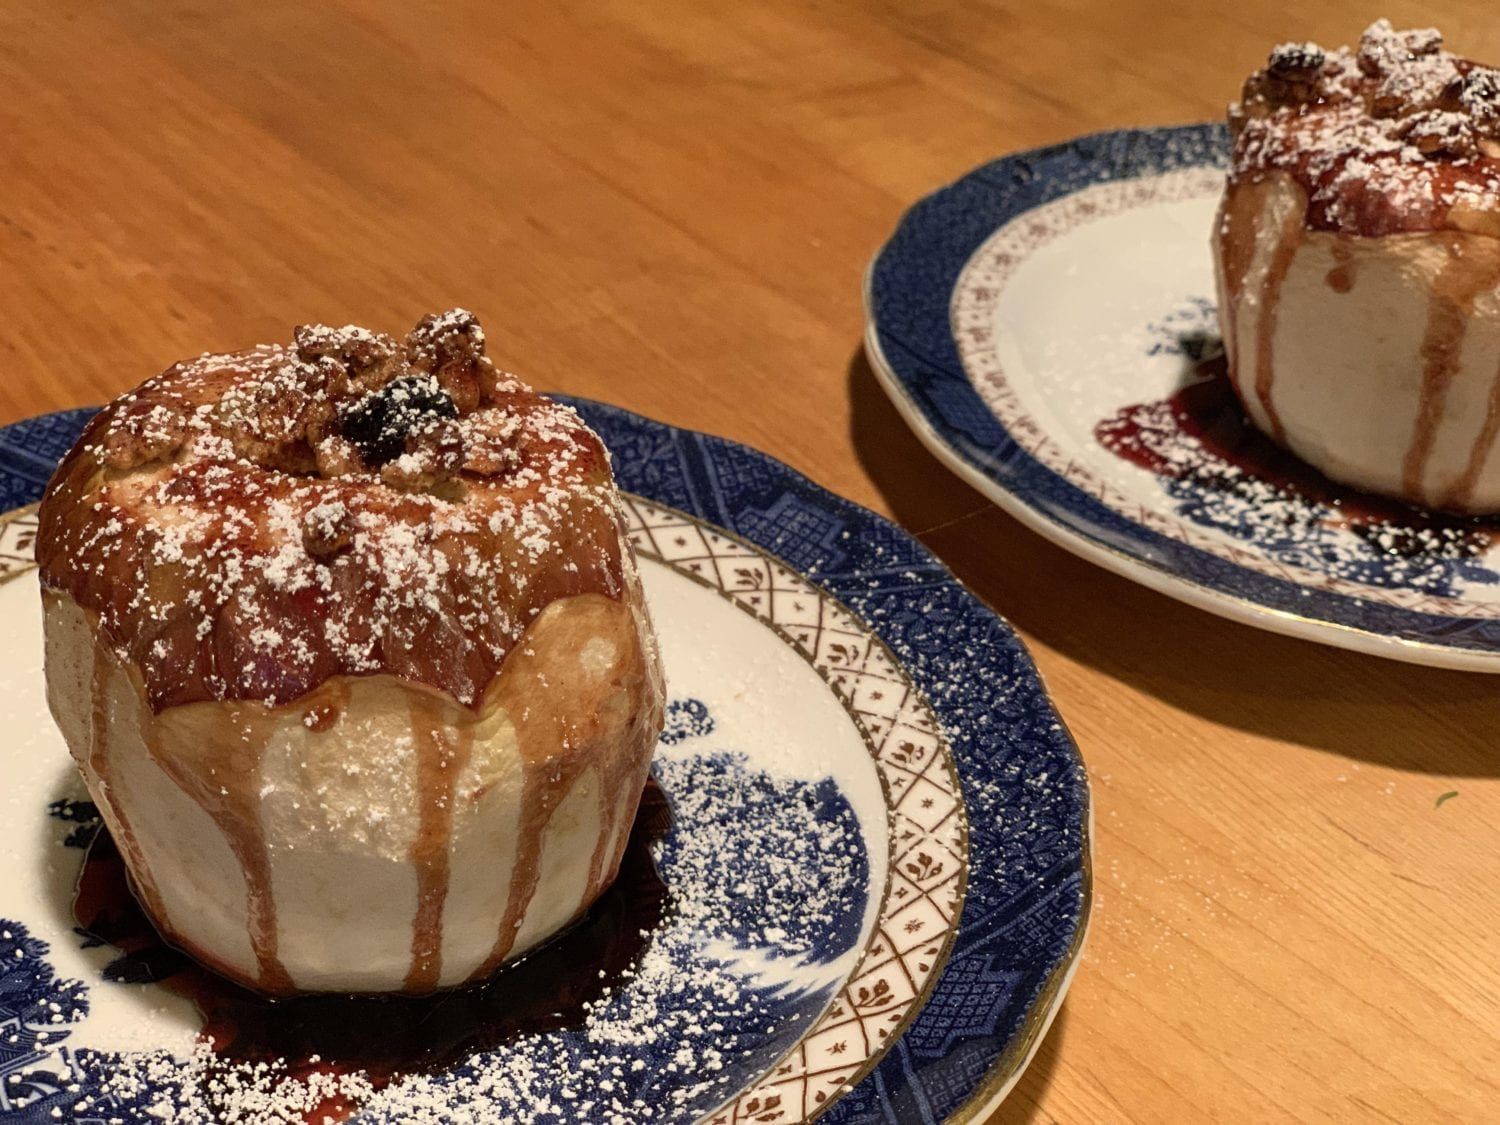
column 372, row 359
column 1414, row 88
column 486, row 460
column 142, row 436
column 450, row 347
column 327, row 529
column 490, row 445
column 328, row 383
column 1383, row 49
column 1386, row 103
column 440, row 338
column 1437, row 132
column 434, row 454
column 1478, row 93
column 274, row 420
column 337, row 457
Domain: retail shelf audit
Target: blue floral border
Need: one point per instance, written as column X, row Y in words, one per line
column 1024, row 783
column 911, row 286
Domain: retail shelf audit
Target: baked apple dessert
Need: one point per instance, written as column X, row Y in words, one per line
column 1358, row 256
column 349, row 646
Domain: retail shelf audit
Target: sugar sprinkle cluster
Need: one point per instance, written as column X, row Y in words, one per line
column 248, row 525
column 1396, row 134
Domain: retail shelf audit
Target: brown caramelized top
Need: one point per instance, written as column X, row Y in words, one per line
column 1395, row 136
column 248, row 525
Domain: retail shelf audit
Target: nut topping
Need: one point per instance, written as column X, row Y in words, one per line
column 139, row 437
column 1383, row 49
column 371, row 359
column 1437, row 132
column 327, row 529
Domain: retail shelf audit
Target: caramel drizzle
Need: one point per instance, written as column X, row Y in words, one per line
column 617, row 805
column 609, row 818
column 558, row 745
column 230, row 794
column 1288, row 242
column 1229, row 288
column 99, row 765
column 544, row 786
column 1233, row 265
column 99, row 717
column 1463, row 488
column 1341, row 278
column 442, row 753
column 548, row 780
column 241, row 823
column 1462, row 279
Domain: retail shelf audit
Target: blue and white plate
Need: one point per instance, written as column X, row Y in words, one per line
column 1051, row 293
column 878, row 865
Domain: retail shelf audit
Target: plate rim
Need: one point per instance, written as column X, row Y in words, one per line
column 1240, row 608
column 950, row 940
column 30, row 468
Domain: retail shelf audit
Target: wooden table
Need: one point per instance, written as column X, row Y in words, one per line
column 669, row 207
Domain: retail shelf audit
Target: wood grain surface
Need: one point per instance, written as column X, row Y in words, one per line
column 669, row 204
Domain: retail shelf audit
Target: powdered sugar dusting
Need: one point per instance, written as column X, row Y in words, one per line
column 1394, row 135
column 248, row 525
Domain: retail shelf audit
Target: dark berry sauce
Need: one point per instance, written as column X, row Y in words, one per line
column 1200, row 436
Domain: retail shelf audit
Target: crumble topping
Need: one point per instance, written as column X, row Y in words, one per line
column 248, row 525
column 1393, row 135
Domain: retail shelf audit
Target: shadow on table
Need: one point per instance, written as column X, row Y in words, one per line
column 1024, row 1105
column 1362, row 707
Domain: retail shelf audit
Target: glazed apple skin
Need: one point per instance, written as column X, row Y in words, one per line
column 348, row 643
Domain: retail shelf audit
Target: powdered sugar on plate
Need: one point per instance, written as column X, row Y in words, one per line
column 768, row 878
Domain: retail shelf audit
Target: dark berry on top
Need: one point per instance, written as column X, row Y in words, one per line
column 379, row 424
column 1302, row 59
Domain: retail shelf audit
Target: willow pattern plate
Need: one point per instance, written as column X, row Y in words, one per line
column 877, row 866
column 1050, row 311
